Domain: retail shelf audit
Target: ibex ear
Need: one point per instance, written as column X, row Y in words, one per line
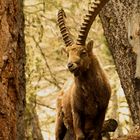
column 90, row 45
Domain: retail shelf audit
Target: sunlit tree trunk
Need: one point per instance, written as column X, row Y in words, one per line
column 32, row 126
column 118, row 19
column 36, row 131
column 12, row 77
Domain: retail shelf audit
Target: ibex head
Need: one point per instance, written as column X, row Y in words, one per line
column 79, row 53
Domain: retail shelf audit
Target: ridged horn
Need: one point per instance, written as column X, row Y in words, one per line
column 63, row 29
column 95, row 8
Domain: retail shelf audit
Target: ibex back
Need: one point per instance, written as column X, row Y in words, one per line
column 81, row 109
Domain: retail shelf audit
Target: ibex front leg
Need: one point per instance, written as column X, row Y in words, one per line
column 77, row 106
column 77, row 124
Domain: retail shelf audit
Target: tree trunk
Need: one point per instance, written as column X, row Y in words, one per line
column 12, row 76
column 32, row 127
column 36, row 131
column 121, row 23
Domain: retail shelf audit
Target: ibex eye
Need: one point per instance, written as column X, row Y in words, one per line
column 83, row 53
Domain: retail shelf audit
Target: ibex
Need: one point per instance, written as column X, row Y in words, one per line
column 81, row 109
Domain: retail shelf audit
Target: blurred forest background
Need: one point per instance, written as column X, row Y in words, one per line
column 46, row 70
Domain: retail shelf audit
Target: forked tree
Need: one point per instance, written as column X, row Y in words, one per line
column 121, row 23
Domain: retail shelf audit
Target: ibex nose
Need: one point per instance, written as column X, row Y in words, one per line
column 70, row 65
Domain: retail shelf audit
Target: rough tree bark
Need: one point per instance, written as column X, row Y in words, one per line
column 12, row 77
column 118, row 18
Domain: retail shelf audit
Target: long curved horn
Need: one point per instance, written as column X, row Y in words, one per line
column 63, row 29
column 96, row 7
